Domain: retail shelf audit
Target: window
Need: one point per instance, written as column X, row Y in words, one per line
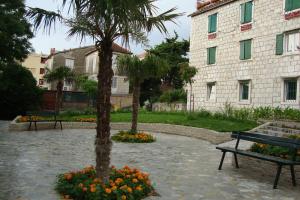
column 114, row 82
column 211, row 91
column 244, row 90
column 70, row 63
column 291, row 5
column 290, row 90
column 293, row 41
column 245, row 49
column 212, row 23
column 246, row 12
column 41, row 81
column 211, row 55
column 42, row 70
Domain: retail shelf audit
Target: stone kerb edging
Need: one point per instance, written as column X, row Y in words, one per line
column 200, row 133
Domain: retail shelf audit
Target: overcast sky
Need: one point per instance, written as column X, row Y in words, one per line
column 58, row 40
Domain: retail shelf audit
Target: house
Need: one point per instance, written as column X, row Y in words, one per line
column 85, row 60
column 35, row 63
column 247, row 53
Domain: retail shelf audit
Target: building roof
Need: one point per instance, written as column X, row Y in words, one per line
column 116, row 48
column 210, row 5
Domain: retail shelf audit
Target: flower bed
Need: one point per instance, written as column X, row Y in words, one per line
column 125, row 183
column 126, row 136
column 277, row 151
column 26, row 118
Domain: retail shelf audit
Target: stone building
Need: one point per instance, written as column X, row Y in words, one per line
column 35, row 63
column 247, row 53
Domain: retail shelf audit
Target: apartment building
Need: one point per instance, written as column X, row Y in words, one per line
column 247, row 53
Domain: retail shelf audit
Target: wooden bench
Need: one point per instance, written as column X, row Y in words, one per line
column 34, row 118
column 293, row 145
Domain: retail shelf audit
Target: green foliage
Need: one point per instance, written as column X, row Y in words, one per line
column 187, row 72
column 174, row 52
column 60, row 74
column 15, row 31
column 18, row 90
column 131, row 137
column 173, row 96
column 90, row 87
column 125, row 183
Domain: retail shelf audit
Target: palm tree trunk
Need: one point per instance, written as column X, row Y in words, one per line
column 135, row 106
column 59, row 93
column 103, row 142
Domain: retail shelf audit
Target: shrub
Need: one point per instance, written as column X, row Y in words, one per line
column 127, row 136
column 18, row 90
column 173, row 96
column 125, row 183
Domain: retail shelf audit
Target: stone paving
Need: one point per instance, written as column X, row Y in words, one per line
column 182, row 168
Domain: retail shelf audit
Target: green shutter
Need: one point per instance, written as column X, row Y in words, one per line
column 242, row 50
column 211, row 55
column 243, row 13
column 248, row 49
column 212, row 23
column 279, row 44
column 296, row 4
column 288, row 5
column 248, row 12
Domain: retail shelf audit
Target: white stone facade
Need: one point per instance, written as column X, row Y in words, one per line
column 265, row 71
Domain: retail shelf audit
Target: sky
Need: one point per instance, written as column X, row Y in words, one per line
column 43, row 42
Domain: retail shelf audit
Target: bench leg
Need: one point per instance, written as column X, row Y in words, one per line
column 277, row 176
column 29, row 128
column 55, row 124
column 293, row 175
column 222, row 160
column 35, row 126
column 60, row 125
column 236, row 160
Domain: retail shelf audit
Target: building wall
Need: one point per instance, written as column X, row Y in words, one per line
column 91, row 69
column 265, row 69
column 34, row 64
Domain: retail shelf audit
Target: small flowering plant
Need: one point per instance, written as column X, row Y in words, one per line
column 27, row 118
column 127, row 136
column 125, row 183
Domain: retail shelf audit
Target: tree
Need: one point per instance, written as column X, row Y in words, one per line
column 106, row 21
column 137, row 71
column 187, row 73
column 90, row 88
column 15, row 31
column 59, row 75
column 174, row 52
column 18, row 90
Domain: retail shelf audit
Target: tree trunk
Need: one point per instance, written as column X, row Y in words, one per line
column 58, row 98
column 135, row 106
column 103, row 142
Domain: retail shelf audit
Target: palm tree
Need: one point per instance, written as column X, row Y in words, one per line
column 106, row 21
column 138, row 71
column 59, row 75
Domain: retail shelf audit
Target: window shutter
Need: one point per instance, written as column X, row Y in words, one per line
column 279, row 44
column 248, row 12
column 212, row 23
column 288, row 5
column 243, row 13
column 213, row 55
column 208, row 56
column 248, row 49
column 242, row 50
column 296, row 4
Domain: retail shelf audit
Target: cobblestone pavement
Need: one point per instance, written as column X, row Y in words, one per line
column 182, row 168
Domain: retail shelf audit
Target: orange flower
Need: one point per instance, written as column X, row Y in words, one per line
column 129, row 189
column 68, row 176
column 84, row 189
column 124, row 197
column 97, row 180
column 124, row 187
column 93, row 189
column 108, row 191
column 80, row 185
column 114, row 188
column 134, row 180
column 139, row 188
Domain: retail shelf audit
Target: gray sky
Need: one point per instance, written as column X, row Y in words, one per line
column 58, row 39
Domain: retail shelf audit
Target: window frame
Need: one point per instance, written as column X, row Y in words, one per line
column 240, row 91
column 244, row 50
column 114, row 82
column 286, row 42
column 73, row 63
column 284, row 91
column 209, row 88
column 209, row 55
column 252, row 13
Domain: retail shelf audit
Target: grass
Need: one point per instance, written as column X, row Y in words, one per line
column 221, row 125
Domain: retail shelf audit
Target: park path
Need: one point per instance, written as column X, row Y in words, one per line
column 182, row 168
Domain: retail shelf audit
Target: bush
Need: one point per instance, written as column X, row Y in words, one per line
column 173, row 96
column 127, row 136
column 125, row 183
column 18, row 90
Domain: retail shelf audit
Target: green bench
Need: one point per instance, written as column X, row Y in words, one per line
column 37, row 116
column 292, row 144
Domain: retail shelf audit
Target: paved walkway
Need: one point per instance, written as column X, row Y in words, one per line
column 183, row 168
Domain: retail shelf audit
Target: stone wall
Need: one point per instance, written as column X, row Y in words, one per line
column 265, row 70
column 157, row 107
